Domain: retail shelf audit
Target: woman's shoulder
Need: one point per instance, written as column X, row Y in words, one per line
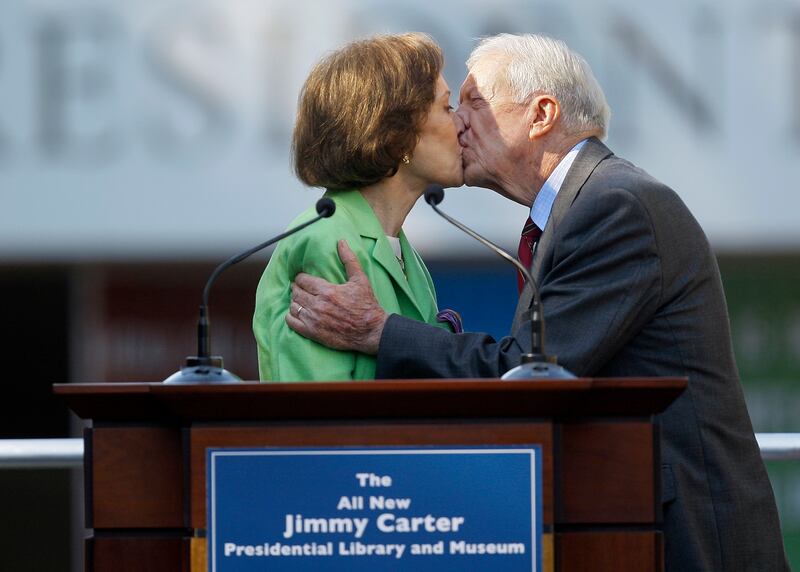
column 325, row 232
column 315, row 247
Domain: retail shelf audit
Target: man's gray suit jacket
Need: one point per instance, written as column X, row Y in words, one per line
column 630, row 287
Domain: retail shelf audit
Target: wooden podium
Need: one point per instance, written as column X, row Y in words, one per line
column 145, row 454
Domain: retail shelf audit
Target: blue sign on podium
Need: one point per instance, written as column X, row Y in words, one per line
column 375, row 509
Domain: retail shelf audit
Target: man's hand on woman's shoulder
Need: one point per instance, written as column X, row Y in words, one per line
column 341, row 316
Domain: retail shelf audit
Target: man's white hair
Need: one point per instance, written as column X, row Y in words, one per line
column 541, row 65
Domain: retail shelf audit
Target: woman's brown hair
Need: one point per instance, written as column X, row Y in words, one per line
column 361, row 109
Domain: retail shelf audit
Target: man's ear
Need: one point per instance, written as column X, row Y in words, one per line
column 543, row 113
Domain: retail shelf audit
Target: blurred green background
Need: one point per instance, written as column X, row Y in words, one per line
column 764, row 301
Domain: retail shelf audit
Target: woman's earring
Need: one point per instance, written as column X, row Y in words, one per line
column 405, row 159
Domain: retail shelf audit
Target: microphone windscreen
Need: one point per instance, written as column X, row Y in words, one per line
column 434, row 194
column 326, row 207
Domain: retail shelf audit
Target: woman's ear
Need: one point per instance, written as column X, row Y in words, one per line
column 543, row 113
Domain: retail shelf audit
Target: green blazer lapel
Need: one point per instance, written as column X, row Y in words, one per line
column 417, row 280
column 370, row 227
column 384, row 255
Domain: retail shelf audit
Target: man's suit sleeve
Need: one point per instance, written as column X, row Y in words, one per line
column 602, row 284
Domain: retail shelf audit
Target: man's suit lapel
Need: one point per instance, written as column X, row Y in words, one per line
column 590, row 155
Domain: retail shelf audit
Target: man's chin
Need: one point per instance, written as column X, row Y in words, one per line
column 475, row 175
column 473, row 178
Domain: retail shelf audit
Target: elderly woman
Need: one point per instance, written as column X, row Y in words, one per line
column 374, row 127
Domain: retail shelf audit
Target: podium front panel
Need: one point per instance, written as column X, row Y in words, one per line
column 145, row 455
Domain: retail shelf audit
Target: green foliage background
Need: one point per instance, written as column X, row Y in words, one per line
column 764, row 302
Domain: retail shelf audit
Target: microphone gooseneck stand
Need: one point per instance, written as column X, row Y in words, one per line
column 204, row 367
column 535, row 364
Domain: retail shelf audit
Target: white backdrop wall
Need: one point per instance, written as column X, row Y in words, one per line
column 154, row 129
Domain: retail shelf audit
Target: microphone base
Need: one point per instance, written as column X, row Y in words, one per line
column 203, row 370
column 537, row 370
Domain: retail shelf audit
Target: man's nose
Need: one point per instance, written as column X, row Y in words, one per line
column 462, row 121
column 459, row 121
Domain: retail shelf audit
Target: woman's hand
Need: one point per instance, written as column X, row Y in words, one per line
column 341, row 316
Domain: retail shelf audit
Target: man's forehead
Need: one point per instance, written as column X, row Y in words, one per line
column 485, row 76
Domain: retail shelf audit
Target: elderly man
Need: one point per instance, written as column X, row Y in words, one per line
column 629, row 286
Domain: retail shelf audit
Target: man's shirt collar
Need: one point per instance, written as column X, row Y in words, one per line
column 543, row 204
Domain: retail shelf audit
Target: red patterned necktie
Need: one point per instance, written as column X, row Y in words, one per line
column 530, row 234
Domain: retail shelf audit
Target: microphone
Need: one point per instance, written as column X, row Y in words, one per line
column 535, row 364
column 205, row 368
